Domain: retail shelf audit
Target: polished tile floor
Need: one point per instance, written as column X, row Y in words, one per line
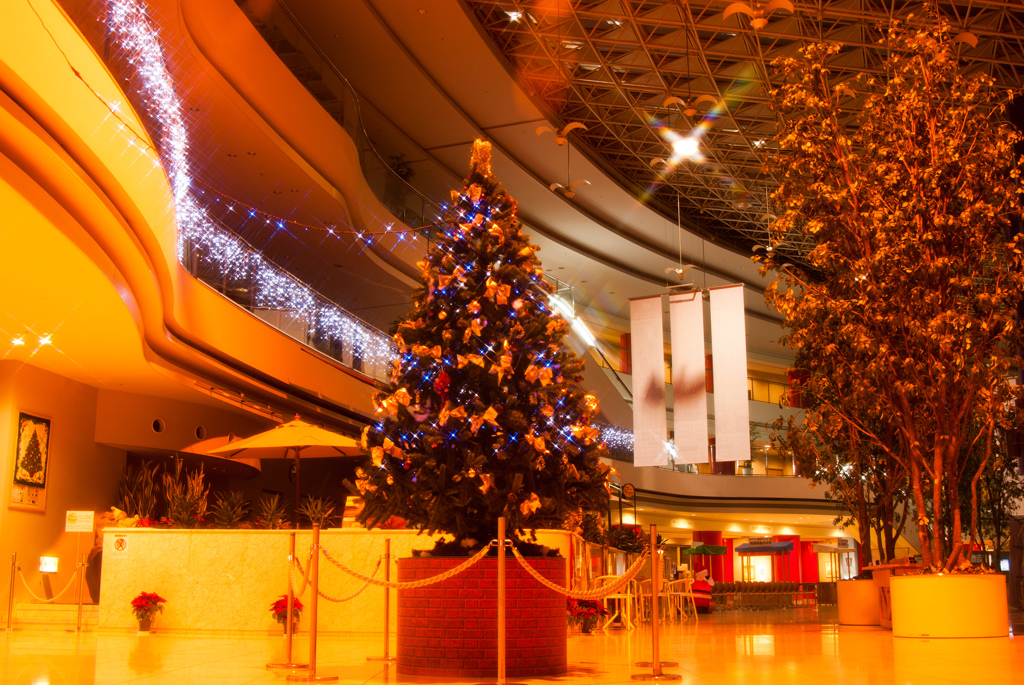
column 784, row 647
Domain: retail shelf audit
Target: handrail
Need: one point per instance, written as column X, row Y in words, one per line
column 318, row 305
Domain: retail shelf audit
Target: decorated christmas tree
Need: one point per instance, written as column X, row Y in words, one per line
column 484, row 415
column 32, row 462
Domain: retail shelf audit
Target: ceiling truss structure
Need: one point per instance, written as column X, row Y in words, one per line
column 612, row 64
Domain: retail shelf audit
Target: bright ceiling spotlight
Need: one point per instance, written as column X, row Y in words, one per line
column 686, row 148
column 514, row 15
column 18, row 342
column 45, row 339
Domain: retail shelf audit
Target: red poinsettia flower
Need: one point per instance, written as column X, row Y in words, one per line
column 280, row 608
column 146, row 604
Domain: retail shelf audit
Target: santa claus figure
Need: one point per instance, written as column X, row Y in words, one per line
column 702, row 584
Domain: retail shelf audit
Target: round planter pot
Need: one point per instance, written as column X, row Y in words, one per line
column 949, row 605
column 858, row 603
column 450, row 629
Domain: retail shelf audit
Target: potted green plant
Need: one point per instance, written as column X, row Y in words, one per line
column 585, row 613
column 280, row 610
column 270, row 513
column 229, row 509
column 319, row 511
column 144, row 606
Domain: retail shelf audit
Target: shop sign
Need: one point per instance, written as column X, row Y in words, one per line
column 760, row 542
column 680, row 523
column 843, row 543
column 761, row 530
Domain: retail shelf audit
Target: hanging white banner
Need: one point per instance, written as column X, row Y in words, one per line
column 689, row 387
column 650, row 423
column 729, row 352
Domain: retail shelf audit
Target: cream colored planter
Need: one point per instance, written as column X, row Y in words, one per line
column 949, row 605
column 858, row 603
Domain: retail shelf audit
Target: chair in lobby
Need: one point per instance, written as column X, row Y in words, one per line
column 680, row 593
column 625, row 600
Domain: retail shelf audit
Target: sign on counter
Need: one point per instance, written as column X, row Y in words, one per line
column 119, row 548
column 759, row 542
column 79, row 521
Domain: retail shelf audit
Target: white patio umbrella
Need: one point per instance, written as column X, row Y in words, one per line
column 293, row 440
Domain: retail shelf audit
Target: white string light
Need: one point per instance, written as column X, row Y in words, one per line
column 197, row 233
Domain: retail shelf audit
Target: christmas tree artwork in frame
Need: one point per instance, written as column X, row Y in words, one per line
column 484, row 416
column 32, row 456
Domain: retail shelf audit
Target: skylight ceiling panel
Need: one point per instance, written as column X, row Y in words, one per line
column 635, row 59
column 596, row 77
column 528, row 50
column 783, row 50
column 759, row 112
column 651, row 81
column 745, row 69
column 664, row 13
column 687, row 64
column 612, row 34
column 856, row 34
column 736, row 45
column 846, row 7
column 604, row 8
column 852, row 60
column 678, row 39
column 783, row 26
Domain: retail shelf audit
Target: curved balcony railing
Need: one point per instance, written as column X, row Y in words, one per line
column 256, row 285
column 213, row 252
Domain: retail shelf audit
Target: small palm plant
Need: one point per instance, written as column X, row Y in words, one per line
column 186, row 500
column 270, row 513
column 229, row 509
column 318, row 511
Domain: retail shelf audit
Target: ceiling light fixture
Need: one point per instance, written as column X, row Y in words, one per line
column 45, row 339
column 18, row 342
column 561, row 135
column 687, row 148
column 570, row 190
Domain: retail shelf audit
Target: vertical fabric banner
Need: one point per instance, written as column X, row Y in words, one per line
column 729, row 351
column 689, row 386
column 650, row 423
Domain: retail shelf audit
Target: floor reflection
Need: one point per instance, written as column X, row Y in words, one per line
column 792, row 647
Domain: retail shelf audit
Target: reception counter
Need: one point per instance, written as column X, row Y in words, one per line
column 227, row 579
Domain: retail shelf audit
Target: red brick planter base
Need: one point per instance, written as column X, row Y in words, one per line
column 450, row 629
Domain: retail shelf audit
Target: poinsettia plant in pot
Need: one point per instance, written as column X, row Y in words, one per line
column 144, row 606
column 585, row 613
column 280, row 610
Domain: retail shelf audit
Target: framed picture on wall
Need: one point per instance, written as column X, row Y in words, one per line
column 31, row 459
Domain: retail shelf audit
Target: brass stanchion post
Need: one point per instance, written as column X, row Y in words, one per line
column 387, row 607
column 312, row 677
column 80, row 574
column 656, row 662
column 291, row 604
column 10, row 597
column 501, row 600
column 81, row 592
column 501, row 603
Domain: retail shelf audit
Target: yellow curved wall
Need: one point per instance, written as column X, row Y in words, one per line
column 58, row 129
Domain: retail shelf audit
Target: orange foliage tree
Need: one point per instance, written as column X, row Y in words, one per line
column 906, row 184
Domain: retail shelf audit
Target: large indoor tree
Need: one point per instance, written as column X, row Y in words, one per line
column 484, row 415
column 905, row 182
